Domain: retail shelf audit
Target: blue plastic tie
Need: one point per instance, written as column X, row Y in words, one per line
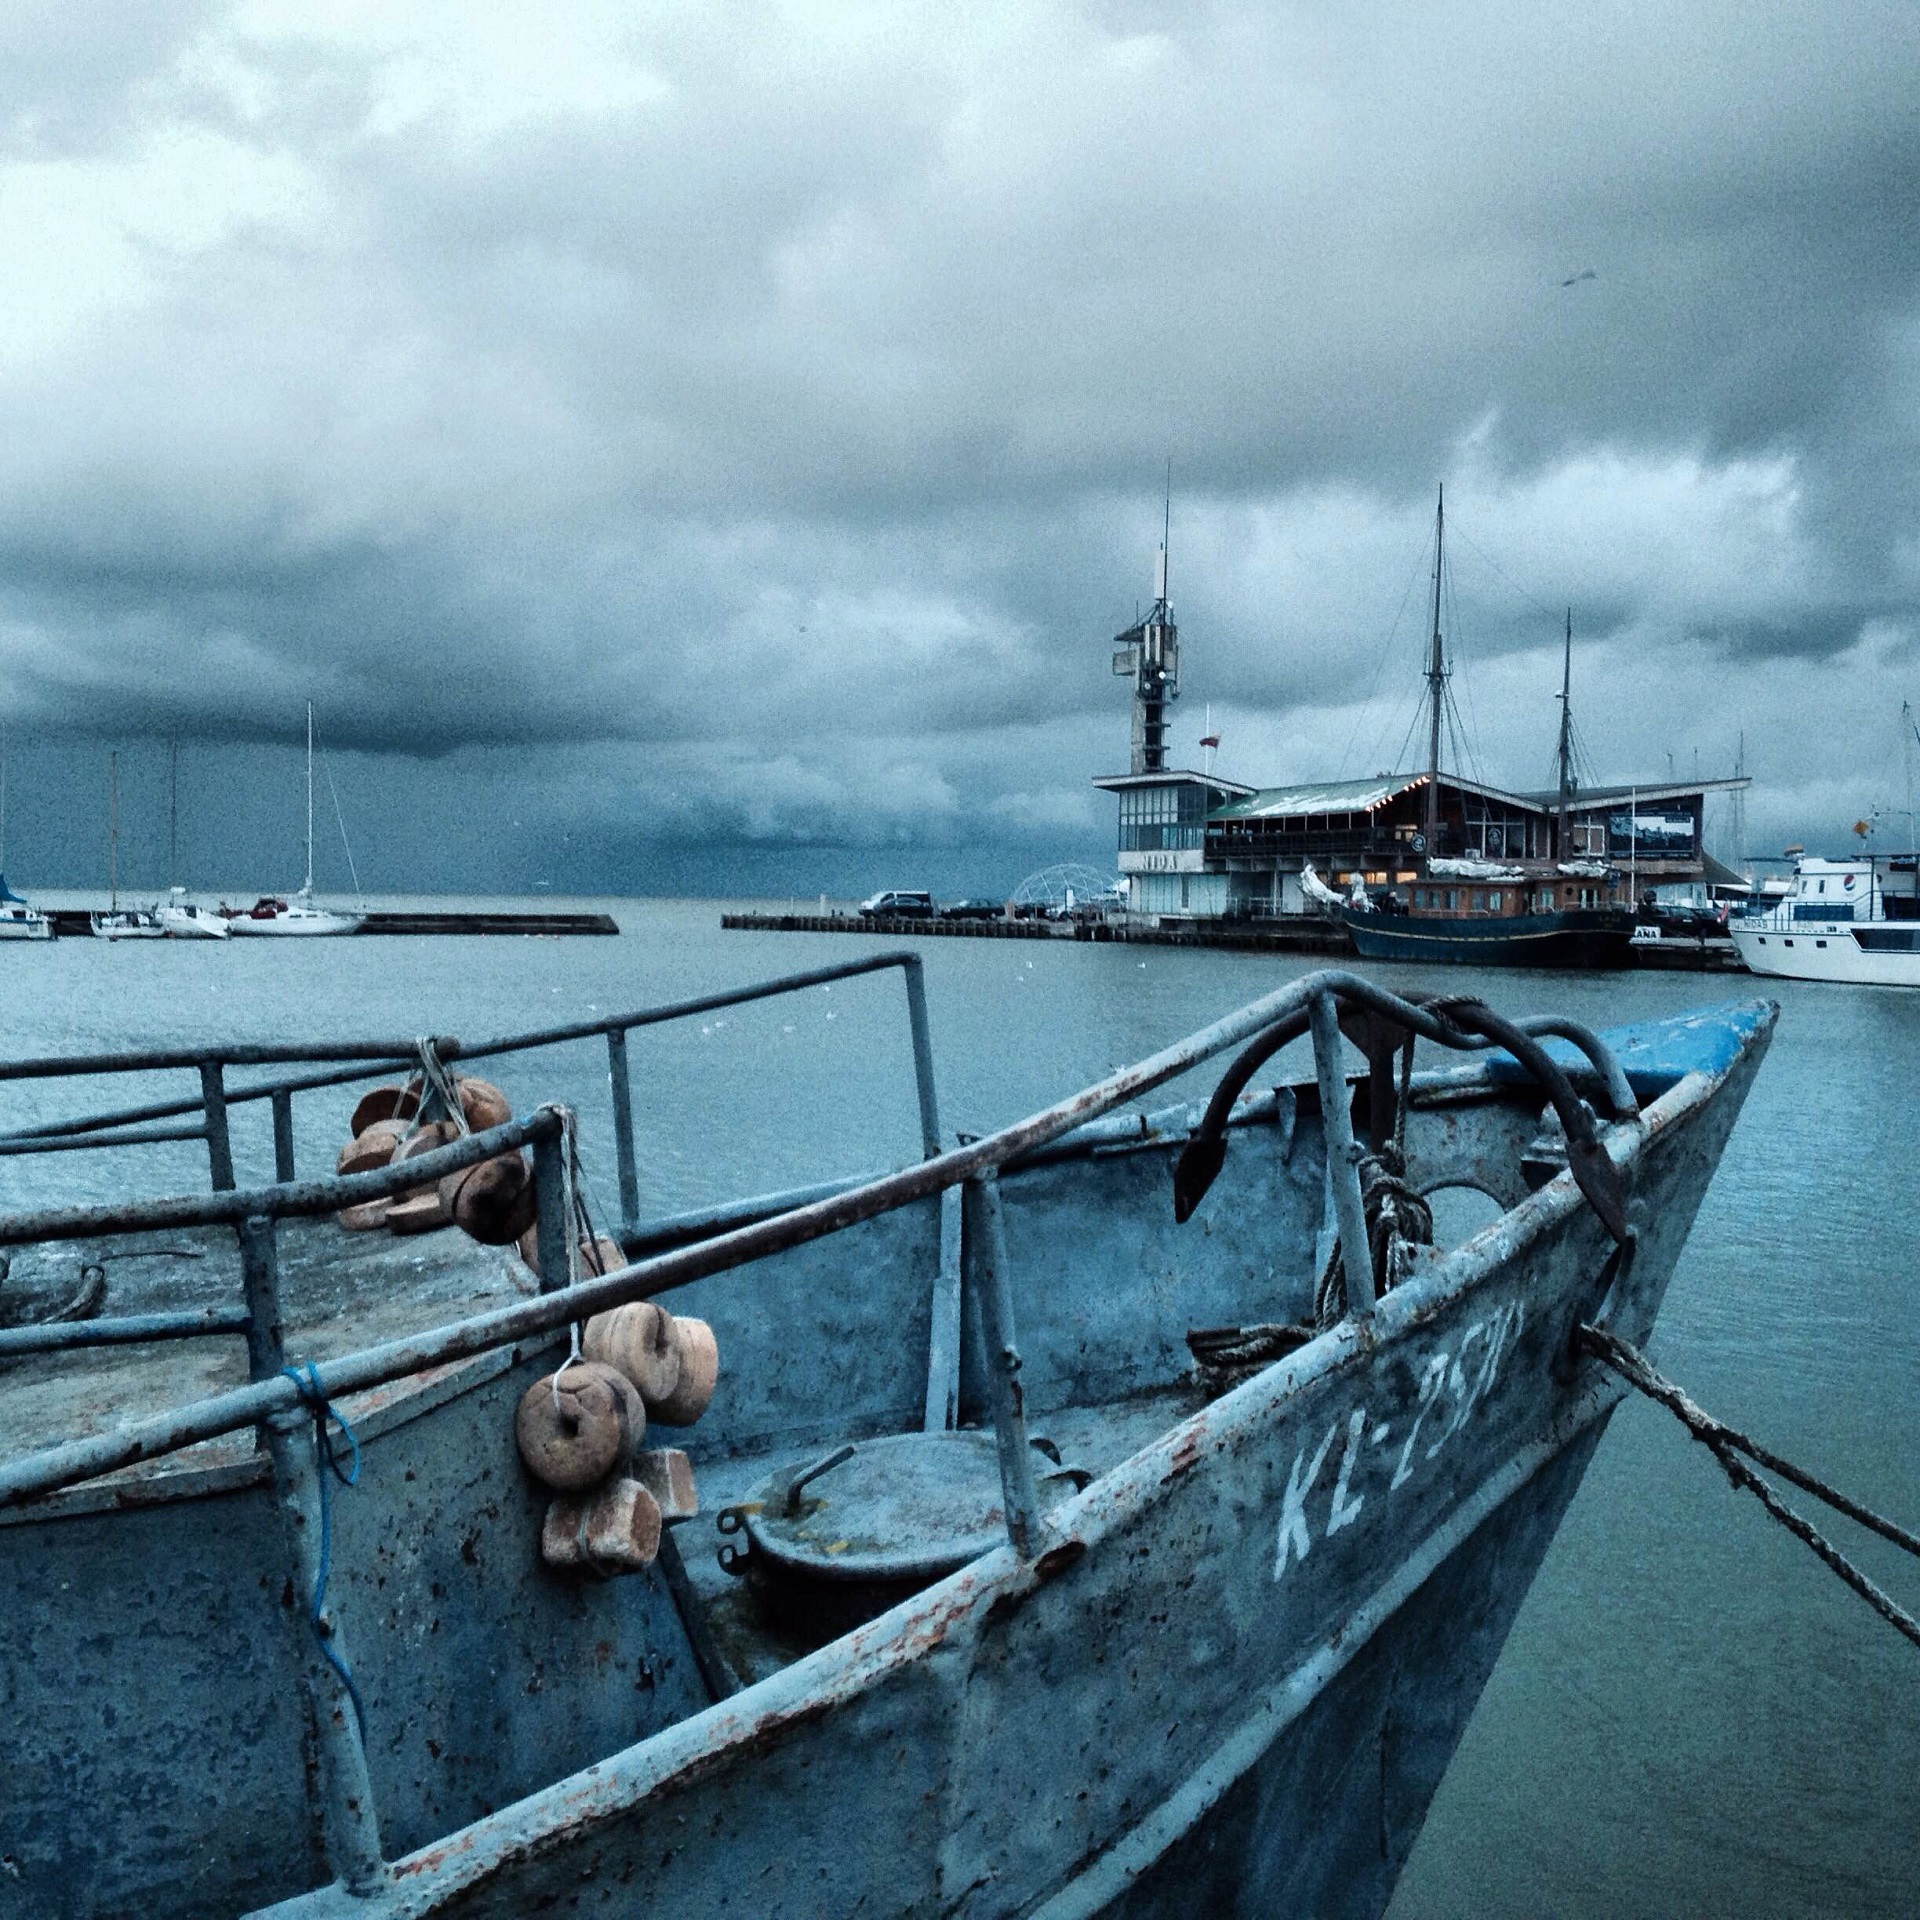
column 306, row 1378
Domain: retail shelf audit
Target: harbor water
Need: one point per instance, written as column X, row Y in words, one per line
column 1691, row 1717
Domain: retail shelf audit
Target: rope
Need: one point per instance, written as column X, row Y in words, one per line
column 1727, row 1445
column 433, row 1070
column 1397, row 1218
column 306, row 1379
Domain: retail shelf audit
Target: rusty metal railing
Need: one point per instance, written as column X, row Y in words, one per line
column 976, row 1160
column 371, row 1059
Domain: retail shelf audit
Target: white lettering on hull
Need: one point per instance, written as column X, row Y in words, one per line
column 1462, row 1375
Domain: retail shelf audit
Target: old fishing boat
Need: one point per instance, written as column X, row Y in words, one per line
column 1120, row 1512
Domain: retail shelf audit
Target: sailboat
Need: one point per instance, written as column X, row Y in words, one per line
column 182, row 918
column 118, row 922
column 1558, row 911
column 18, row 920
column 298, row 916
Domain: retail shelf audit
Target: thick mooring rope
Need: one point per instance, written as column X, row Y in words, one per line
column 306, row 1377
column 1727, row 1445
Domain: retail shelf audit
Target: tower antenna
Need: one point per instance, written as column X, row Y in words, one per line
column 1149, row 653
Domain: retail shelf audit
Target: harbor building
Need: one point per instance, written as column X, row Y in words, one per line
column 1431, row 844
column 1198, row 846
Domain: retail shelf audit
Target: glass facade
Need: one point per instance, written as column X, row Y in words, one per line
column 1170, row 819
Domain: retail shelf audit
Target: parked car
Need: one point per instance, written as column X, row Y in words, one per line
column 899, row 904
column 972, row 910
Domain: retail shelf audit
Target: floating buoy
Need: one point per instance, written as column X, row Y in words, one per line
column 615, row 1530
column 597, row 1256
column 386, row 1103
column 420, row 1212
column 483, row 1104
column 667, row 1474
column 601, row 1254
column 563, row 1539
column 639, row 1340
column 435, row 1133
column 576, row 1427
column 699, row 1374
column 493, row 1202
column 372, row 1148
column 622, row 1531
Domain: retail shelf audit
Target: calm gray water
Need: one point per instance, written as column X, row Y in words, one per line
column 1692, row 1716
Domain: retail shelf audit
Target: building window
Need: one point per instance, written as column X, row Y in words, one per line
column 1493, row 902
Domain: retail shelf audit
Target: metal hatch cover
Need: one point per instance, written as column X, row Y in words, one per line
column 908, row 1507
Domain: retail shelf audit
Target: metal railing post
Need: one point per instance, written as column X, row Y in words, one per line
column 213, row 1103
column 349, row 1825
column 1343, row 1153
column 283, row 1135
column 623, row 1128
column 989, row 1285
column 550, row 1211
column 922, row 1055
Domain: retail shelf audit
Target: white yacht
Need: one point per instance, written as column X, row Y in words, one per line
column 1849, row 920
column 18, row 920
column 275, row 915
column 272, row 914
column 184, row 919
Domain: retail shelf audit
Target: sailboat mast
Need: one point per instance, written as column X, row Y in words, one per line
column 308, row 888
column 1566, row 739
column 173, row 812
column 1907, row 737
column 1436, row 685
column 113, row 832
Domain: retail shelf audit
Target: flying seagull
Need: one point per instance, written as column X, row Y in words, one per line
column 1585, row 273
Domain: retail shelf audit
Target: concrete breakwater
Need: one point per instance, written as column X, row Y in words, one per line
column 1714, row 955
column 73, row 922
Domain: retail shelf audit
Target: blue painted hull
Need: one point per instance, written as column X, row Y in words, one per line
column 1231, row 1681
column 1575, row 938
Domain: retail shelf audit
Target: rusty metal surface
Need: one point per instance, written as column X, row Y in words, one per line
column 1057, row 1727
column 1308, row 1554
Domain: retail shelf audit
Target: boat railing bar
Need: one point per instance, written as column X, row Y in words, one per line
column 35, row 1474
column 18, row 1143
column 64, row 1336
column 378, row 1055
column 381, row 1058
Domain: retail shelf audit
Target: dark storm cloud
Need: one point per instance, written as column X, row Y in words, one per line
column 754, row 420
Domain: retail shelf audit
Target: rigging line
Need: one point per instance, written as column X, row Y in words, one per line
column 1419, row 567
column 1469, row 733
column 340, row 819
column 1455, row 529
column 1419, row 707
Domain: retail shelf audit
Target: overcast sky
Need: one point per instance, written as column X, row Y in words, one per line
column 662, row 438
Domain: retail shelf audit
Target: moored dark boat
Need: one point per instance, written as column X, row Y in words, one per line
column 1570, row 937
column 1209, row 1649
